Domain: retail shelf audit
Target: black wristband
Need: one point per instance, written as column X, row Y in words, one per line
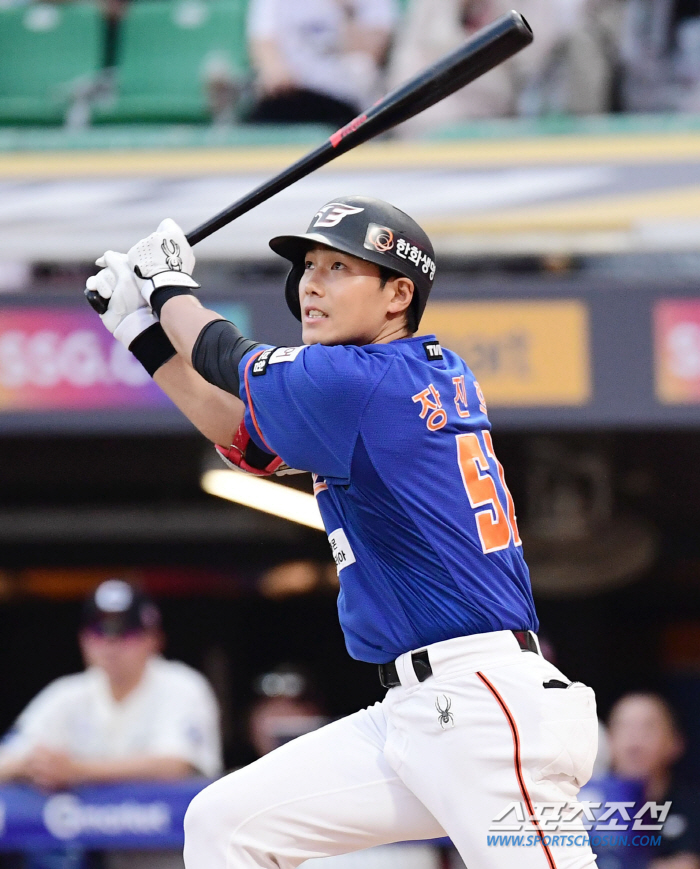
column 152, row 348
column 160, row 296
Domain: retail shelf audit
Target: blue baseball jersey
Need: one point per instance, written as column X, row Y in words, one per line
column 420, row 521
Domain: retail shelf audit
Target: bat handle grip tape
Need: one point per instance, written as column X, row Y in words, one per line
column 98, row 302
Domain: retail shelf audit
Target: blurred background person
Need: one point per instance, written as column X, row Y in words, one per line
column 317, row 60
column 592, row 74
column 288, row 706
column 660, row 56
column 646, row 745
column 130, row 715
column 635, row 56
column 432, row 28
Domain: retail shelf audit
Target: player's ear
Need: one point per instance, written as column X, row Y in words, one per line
column 401, row 294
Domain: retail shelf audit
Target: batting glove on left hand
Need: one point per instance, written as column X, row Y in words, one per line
column 128, row 314
column 165, row 258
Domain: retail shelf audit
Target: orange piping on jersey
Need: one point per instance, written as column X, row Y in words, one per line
column 250, row 400
column 318, row 486
column 518, row 768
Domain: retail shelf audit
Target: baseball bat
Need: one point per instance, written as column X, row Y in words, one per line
column 487, row 48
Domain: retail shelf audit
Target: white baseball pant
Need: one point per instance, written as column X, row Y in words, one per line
column 402, row 769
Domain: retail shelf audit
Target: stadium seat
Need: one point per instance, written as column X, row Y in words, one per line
column 47, row 52
column 167, row 49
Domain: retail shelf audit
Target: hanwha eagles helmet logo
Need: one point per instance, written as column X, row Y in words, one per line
column 381, row 238
column 333, row 213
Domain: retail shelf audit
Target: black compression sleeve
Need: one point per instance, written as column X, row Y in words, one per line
column 217, row 353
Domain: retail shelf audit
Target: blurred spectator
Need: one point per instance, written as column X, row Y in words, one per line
column 593, row 74
column 636, row 56
column 288, row 707
column 660, row 50
column 520, row 86
column 317, row 60
column 645, row 744
column 130, row 715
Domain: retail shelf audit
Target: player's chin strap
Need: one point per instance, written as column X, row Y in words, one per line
column 245, row 455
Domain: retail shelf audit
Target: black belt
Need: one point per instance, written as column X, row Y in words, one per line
column 389, row 675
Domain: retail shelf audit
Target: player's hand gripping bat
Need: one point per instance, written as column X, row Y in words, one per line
column 486, row 49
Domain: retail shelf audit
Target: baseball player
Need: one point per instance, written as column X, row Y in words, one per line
column 422, row 527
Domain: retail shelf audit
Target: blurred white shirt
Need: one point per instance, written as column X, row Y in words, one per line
column 310, row 33
column 172, row 712
column 432, row 28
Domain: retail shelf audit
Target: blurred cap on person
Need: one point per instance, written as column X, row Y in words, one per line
column 116, row 609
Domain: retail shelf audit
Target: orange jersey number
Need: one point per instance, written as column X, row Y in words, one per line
column 496, row 529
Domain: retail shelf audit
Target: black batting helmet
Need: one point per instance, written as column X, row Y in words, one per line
column 369, row 229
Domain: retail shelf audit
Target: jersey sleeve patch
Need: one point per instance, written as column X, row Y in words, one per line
column 433, row 351
column 259, row 367
column 340, row 549
column 285, row 354
column 272, row 356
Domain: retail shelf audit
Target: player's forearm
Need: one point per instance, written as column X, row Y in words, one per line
column 183, row 318
column 217, row 414
column 214, row 347
column 134, row 768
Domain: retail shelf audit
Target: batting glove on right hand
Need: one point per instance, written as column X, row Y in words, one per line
column 164, row 258
column 127, row 314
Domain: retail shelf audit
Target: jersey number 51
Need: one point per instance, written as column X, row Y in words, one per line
column 496, row 526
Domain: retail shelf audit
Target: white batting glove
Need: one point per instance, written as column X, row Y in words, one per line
column 165, row 259
column 128, row 314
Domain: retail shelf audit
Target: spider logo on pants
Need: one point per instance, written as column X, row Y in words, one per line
column 445, row 717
